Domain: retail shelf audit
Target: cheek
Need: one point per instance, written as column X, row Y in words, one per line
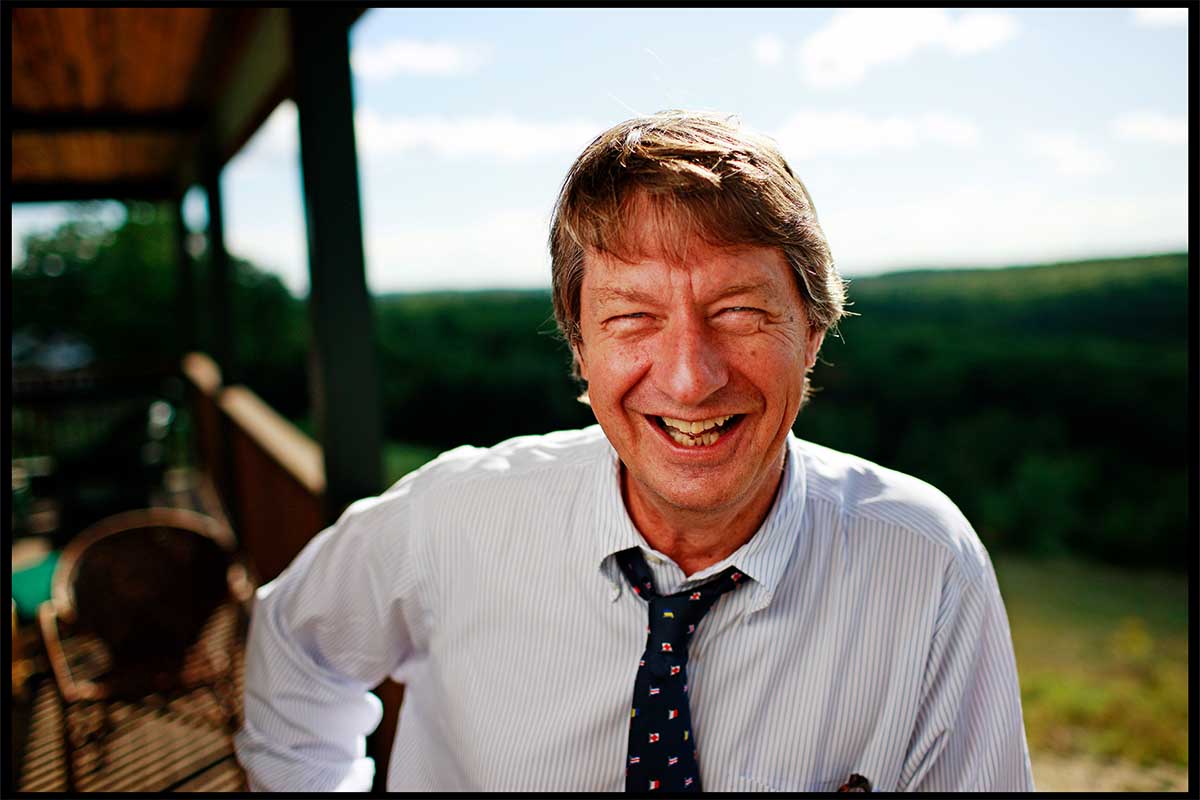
column 614, row 369
column 770, row 367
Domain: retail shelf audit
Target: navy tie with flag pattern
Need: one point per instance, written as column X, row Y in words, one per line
column 662, row 746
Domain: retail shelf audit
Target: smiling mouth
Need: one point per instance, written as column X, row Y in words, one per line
column 698, row 433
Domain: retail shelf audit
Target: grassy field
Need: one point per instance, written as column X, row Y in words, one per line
column 1103, row 658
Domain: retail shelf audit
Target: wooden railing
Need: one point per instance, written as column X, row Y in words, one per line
column 279, row 493
column 270, row 475
column 203, row 380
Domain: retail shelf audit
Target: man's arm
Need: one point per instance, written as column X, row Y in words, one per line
column 969, row 734
column 324, row 632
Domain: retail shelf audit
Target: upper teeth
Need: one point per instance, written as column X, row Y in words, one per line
column 698, row 425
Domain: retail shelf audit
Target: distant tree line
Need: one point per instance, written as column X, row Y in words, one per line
column 116, row 291
column 1049, row 402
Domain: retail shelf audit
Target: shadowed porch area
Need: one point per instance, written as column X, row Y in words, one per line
column 140, row 106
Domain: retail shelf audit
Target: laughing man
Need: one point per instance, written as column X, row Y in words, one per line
column 684, row 597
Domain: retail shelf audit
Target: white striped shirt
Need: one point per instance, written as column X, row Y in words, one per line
column 871, row 640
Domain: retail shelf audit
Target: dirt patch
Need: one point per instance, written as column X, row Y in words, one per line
column 1052, row 773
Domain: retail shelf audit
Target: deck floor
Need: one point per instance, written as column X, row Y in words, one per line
column 179, row 748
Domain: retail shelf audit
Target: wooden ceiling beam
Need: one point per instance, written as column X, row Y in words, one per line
column 105, row 121
column 255, row 77
column 48, row 192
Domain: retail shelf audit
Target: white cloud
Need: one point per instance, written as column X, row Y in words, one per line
column 768, row 49
column 414, row 57
column 503, row 136
column 1151, row 126
column 1160, row 17
column 857, row 40
column 506, row 249
column 808, row 134
column 990, row 226
column 1069, row 154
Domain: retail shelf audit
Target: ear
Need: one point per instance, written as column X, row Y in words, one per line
column 577, row 351
column 813, row 346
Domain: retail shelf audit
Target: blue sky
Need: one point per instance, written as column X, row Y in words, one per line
column 927, row 138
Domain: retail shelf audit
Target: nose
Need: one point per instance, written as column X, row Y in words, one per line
column 689, row 364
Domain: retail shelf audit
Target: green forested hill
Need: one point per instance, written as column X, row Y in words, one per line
column 1049, row 402
column 1130, row 298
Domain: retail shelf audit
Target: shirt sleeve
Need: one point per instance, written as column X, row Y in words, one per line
column 969, row 733
column 333, row 625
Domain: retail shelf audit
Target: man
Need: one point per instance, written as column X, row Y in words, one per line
column 685, row 597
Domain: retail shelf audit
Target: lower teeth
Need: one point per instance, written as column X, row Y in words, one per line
column 693, row 441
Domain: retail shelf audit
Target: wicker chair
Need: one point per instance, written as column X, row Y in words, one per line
column 131, row 597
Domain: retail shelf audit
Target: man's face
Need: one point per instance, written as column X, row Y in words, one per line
column 719, row 346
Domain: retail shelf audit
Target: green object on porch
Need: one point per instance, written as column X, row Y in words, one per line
column 31, row 586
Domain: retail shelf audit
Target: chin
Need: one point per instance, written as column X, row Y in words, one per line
column 695, row 496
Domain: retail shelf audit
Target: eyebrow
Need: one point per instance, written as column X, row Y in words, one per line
column 613, row 294
column 744, row 288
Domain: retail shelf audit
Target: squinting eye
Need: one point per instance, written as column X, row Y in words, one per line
column 741, row 310
column 636, row 316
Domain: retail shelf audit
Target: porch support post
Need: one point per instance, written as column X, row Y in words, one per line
column 346, row 385
column 219, row 278
column 185, row 285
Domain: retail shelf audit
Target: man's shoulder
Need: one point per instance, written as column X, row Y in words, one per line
column 510, row 461
column 867, row 496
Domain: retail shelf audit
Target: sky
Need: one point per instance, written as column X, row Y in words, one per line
column 927, row 137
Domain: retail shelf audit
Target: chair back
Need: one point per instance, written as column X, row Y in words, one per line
column 145, row 583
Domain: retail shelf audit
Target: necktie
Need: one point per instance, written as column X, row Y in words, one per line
column 662, row 747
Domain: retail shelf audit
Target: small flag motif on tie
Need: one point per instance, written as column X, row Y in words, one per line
column 669, row 614
column 687, row 781
column 635, row 760
column 666, row 647
column 637, row 591
column 654, row 738
column 691, row 628
column 685, row 735
column 673, row 713
column 642, row 663
column 737, row 576
column 675, row 670
column 653, row 784
column 653, row 690
column 672, row 761
column 685, row 687
column 633, row 712
column 695, row 595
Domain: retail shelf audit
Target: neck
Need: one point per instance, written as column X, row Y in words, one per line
column 695, row 539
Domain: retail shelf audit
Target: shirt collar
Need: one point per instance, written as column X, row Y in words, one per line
column 764, row 557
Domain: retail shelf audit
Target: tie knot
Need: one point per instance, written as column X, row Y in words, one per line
column 673, row 618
